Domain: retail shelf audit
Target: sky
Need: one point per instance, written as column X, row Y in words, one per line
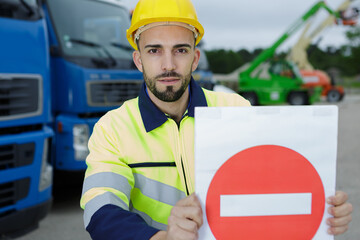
column 250, row 24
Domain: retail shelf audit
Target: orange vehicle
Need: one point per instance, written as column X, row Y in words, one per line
column 329, row 91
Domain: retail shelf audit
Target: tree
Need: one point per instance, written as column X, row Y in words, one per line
column 346, row 58
column 227, row 61
column 352, row 61
column 223, row 61
column 353, row 35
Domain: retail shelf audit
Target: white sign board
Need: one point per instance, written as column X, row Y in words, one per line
column 265, row 172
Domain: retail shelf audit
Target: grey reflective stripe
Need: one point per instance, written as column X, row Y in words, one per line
column 99, row 201
column 157, row 190
column 107, row 180
column 150, row 221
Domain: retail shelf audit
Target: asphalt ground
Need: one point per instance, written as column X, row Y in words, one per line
column 64, row 222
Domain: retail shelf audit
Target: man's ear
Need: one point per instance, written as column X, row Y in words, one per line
column 196, row 59
column 137, row 60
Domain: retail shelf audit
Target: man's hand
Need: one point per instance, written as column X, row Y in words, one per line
column 341, row 211
column 184, row 222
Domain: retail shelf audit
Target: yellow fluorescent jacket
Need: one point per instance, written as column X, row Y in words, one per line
column 141, row 160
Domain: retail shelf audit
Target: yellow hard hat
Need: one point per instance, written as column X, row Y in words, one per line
column 169, row 11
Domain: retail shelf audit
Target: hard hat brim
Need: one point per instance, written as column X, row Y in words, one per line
column 131, row 31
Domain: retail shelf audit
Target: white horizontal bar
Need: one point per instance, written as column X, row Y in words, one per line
column 246, row 205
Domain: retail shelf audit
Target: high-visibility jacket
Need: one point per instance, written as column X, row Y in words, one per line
column 141, row 160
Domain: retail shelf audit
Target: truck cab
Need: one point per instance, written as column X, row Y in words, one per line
column 92, row 71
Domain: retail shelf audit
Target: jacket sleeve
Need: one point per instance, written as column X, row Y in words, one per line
column 107, row 188
column 113, row 223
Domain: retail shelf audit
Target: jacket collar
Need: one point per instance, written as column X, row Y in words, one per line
column 153, row 118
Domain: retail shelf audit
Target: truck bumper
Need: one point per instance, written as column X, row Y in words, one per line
column 66, row 156
column 18, row 223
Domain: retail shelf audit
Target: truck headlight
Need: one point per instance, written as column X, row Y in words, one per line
column 80, row 141
column 46, row 174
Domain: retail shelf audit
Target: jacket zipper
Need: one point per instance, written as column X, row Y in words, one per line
column 183, row 170
column 181, row 160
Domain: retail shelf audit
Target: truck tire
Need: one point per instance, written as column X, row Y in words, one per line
column 251, row 97
column 333, row 96
column 298, row 98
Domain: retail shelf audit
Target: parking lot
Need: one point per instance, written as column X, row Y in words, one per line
column 65, row 219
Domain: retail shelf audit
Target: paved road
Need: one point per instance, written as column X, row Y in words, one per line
column 348, row 165
column 65, row 220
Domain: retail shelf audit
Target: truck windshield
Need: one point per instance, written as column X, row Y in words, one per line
column 91, row 28
column 20, row 9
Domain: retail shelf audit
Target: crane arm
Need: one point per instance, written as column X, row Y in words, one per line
column 269, row 52
column 298, row 52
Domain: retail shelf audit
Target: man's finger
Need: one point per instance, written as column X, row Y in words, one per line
column 339, row 198
column 339, row 222
column 191, row 200
column 185, row 224
column 338, row 230
column 191, row 213
column 341, row 210
column 181, row 229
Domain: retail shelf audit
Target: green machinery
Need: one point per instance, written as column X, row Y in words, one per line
column 267, row 80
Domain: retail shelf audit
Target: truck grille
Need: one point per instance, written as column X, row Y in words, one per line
column 16, row 155
column 112, row 93
column 20, row 96
column 12, row 192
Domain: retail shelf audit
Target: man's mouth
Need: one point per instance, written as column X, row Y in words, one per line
column 169, row 81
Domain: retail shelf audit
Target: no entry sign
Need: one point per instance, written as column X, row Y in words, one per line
column 264, row 172
column 265, row 191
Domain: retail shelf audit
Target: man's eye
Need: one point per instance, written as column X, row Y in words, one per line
column 153, row 51
column 182, row 50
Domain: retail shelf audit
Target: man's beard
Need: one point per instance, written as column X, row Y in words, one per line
column 169, row 95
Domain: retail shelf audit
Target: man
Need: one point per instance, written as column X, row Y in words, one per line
column 140, row 178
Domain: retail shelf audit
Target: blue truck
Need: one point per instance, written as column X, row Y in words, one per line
column 63, row 65
column 92, row 71
column 25, row 135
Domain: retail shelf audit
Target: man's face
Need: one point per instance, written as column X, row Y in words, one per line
column 167, row 57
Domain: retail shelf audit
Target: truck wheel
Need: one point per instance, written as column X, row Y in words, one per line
column 298, row 98
column 333, row 96
column 251, row 96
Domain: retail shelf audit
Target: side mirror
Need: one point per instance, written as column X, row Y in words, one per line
column 54, row 51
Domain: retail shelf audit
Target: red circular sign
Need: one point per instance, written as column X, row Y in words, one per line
column 266, row 169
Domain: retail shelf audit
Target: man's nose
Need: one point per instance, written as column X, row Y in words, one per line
column 168, row 62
